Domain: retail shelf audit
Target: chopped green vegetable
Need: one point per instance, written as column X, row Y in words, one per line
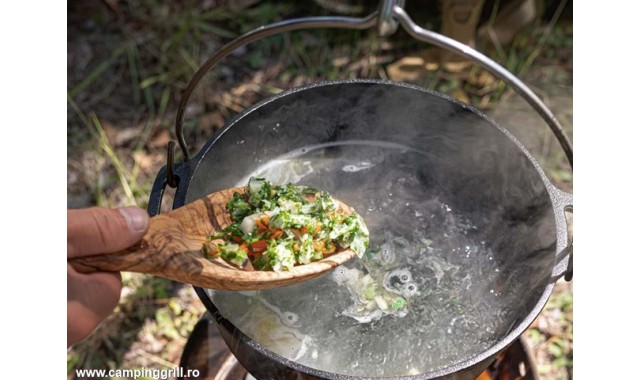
column 370, row 292
column 398, row 303
column 259, row 191
column 277, row 227
column 231, row 252
column 240, row 207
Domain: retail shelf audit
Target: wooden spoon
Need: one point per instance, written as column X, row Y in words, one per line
column 172, row 248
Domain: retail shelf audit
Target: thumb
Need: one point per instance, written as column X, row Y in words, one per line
column 99, row 230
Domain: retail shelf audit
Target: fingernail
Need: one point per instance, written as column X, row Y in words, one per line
column 136, row 218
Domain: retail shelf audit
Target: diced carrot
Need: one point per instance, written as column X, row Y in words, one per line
column 258, row 247
column 304, row 230
column 275, row 234
column 321, row 246
column 330, row 250
column 318, row 246
column 211, row 249
column 263, row 222
column 318, row 228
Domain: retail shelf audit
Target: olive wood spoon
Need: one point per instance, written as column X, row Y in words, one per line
column 172, row 248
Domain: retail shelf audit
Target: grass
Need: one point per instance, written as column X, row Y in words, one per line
column 127, row 179
column 551, row 337
column 129, row 61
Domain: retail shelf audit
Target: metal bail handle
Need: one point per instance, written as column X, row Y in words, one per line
column 386, row 18
column 387, row 23
column 258, row 34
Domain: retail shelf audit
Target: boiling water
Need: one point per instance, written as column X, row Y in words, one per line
column 421, row 250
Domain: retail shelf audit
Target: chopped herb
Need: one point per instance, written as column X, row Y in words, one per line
column 398, row 303
column 370, row 292
column 277, row 227
column 238, row 207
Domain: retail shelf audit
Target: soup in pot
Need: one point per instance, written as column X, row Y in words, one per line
column 428, row 293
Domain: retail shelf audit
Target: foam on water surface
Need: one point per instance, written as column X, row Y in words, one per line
column 423, row 297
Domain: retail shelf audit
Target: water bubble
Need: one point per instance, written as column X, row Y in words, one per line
column 352, row 168
column 290, row 319
column 340, row 275
column 387, row 252
column 395, row 280
column 408, row 290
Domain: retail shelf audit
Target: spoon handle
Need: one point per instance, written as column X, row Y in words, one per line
column 158, row 252
column 172, row 247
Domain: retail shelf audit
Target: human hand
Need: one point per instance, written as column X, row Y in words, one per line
column 92, row 297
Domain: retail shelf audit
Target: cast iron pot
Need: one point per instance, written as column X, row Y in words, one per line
column 482, row 170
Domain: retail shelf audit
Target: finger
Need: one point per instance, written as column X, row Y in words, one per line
column 98, row 230
column 90, row 299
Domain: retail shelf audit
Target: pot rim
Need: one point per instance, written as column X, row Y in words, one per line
column 486, row 354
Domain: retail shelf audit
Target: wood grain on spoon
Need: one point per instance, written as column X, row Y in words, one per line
column 172, row 248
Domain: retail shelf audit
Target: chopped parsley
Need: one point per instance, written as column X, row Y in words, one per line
column 278, row 227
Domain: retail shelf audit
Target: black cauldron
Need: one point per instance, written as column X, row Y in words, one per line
column 478, row 167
